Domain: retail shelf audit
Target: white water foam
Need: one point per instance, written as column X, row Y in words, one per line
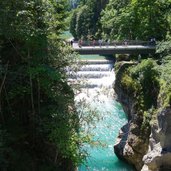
column 95, row 81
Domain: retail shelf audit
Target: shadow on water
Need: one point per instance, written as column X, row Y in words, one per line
column 97, row 57
column 109, row 57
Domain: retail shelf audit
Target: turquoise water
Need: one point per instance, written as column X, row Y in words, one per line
column 111, row 117
column 66, row 35
column 94, row 57
column 103, row 158
column 96, row 80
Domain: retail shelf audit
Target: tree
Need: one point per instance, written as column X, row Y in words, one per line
column 87, row 19
column 38, row 122
column 84, row 18
column 73, row 23
column 135, row 19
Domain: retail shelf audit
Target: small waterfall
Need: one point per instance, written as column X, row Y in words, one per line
column 95, row 80
column 94, row 74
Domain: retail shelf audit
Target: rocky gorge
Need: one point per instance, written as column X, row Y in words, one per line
column 145, row 141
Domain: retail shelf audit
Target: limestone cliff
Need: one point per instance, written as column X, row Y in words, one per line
column 130, row 146
column 158, row 157
column 145, row 141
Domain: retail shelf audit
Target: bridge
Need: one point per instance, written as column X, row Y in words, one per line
column 130, row 47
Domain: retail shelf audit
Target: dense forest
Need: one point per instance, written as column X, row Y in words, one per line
column 38, row 122
column 114, row 19
column 39, row 125
column 85, row 20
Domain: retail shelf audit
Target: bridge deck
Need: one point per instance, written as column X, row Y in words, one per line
column 118, row 49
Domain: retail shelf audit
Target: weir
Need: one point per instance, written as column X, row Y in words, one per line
column 96, row 79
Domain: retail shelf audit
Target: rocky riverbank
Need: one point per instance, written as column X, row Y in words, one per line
column 145, row 141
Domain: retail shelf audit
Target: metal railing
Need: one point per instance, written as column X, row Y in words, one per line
column 115, row 43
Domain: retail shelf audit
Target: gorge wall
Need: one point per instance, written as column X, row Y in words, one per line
column 145, row 141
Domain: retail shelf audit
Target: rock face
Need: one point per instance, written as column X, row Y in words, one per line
column 158, row 157
column 130, row 145
column 148, row 150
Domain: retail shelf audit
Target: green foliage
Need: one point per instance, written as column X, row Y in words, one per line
column 85, row 19
column 73, row 23
column 129, row 84
column 145, row 70
column 165, row 78
column 135, row 19
column 39, row 125
column 165, row 93
column 164, row 47
column 126, row 19
column 147, row 116
column 146, row 74
column 141, row 85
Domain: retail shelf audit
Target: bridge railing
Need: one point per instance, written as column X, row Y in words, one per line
column 114, row 43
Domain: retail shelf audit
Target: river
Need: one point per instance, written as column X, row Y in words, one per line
column 98, row 93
